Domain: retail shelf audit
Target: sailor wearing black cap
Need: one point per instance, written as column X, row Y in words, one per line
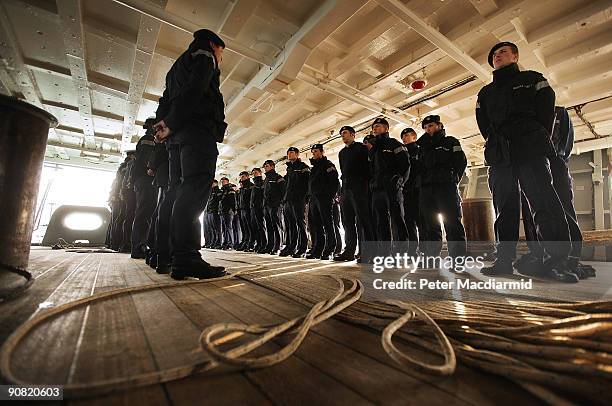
column 354, row 203
column 258, row 212
column 323, row 186
column 191, row 116
column 389, row 170
column 142, row 179
column 296, row 190
column 412, row 189
column 444, row 163
column 274, row 191
column 515, row 115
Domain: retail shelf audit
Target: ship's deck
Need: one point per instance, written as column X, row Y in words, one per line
column 338, row 362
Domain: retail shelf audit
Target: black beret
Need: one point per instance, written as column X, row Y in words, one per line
column 255, row 169
column 496, row 47
column 317, row 146
column 407, row 130
column 269, row 162
column 226, row 178
column 367, row 138
column 380, row 120
column 349, row 128
column 149, row 122
column 243, row 173
column 434, row 118
column 205, row 34
column 293, row 149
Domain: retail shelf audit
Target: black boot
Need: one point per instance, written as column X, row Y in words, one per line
column 345, row 256
column 530, row 265
column 560, row 272
column 153, row 260
column 500, row 267
column 313, row 255
column 196, row 268
column 164, row 266
column 298, row 254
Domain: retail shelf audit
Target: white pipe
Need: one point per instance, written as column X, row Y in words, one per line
column 151, row 10
column 375, row 107
column 434, row 36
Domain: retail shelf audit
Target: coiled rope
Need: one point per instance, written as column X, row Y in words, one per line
column 544, row 347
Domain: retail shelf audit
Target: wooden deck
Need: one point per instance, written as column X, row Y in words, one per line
column 338, row 363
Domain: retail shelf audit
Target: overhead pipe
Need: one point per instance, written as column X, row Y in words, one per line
column 180, row 23
column 434, row 36
column 380, row 108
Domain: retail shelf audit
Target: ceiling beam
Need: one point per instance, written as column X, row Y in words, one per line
column 148, row 31
column 85, row 149
column 71, row 17
column 484, row 7
column 180, row 23
column 434, row 36
column 572, row 21
column 13, row 60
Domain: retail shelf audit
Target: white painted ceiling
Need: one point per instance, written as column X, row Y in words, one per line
column 295, row 71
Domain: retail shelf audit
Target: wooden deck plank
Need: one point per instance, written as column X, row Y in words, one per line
column 284, row 382
column 374, row 380
column 364, row 341
column 115, row 334
column 174, row 339
column 50, row 362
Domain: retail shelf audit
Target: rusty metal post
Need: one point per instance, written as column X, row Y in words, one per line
column 23, row 137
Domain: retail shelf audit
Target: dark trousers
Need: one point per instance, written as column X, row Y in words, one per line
column 164, row 212
column 152, row 234
column 412, row 218
column 356, row 219
column 236, row 228
column 563, row 184
column 214, row 228
column 322, row 224
column 259, row 228
column 245, row 228
column 388, row 213
column 442, row 199
column 534, row 179
column 145, row 206
column 128, row 220
column 196, row 164
column 227, row 225
column 337, row 219
column 117, row 233
column 273, row 228
column 295, row 225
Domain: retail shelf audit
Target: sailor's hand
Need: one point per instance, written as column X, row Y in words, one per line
column 162, row 132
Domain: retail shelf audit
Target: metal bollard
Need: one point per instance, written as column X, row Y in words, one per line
column 23, row 138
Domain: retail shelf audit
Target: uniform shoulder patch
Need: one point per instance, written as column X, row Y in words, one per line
column 399, row 149
column 457, row 148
